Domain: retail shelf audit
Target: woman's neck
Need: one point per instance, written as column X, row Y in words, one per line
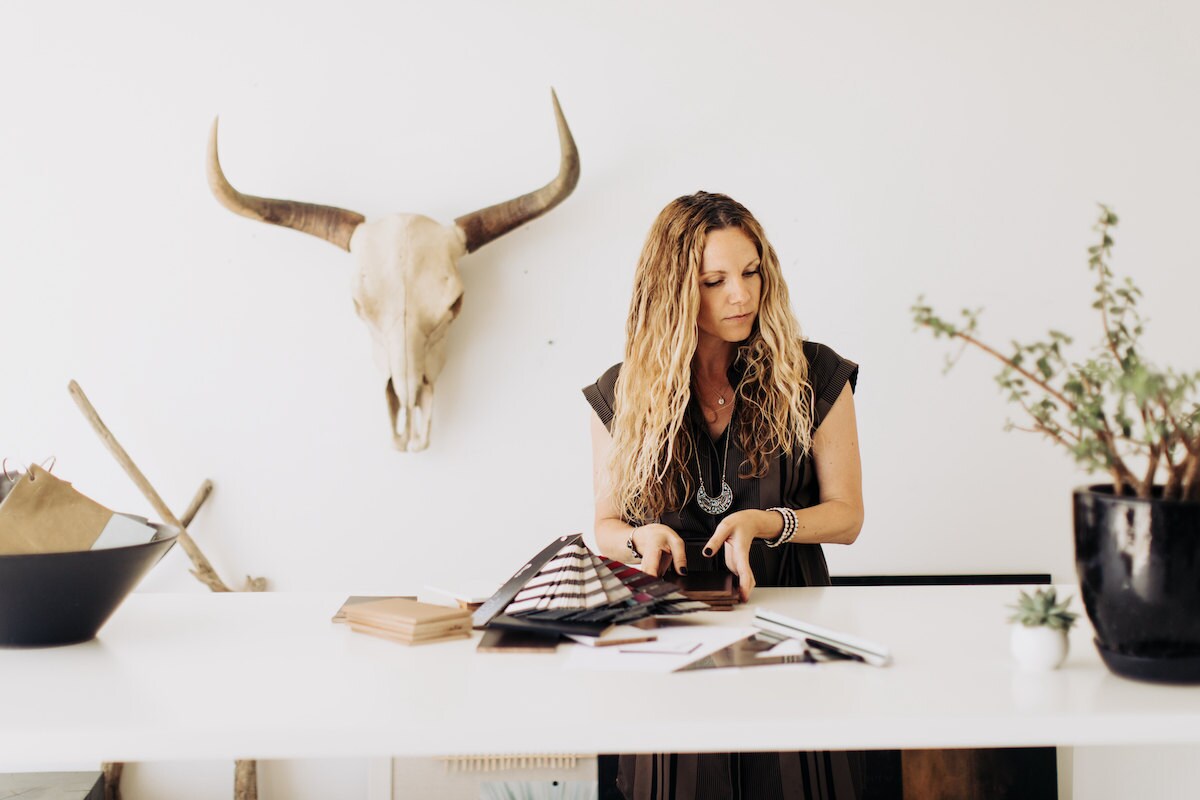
column 711, row 362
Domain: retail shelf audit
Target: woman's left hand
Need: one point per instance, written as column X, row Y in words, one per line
column 735, row 534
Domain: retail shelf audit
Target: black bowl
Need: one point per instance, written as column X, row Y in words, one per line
column 49, row 599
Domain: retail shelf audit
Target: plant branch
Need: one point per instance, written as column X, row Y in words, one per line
column 1041, row 427
column 1024, row 372
column 1102, row 268
column 1191, row 490
column 1121, row 473
column 1099, row 395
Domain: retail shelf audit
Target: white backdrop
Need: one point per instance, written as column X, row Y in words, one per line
column 940, row 148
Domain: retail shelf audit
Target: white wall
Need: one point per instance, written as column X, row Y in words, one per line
column 950, row 149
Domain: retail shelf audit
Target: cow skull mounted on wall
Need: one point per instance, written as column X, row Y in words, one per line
column 408, row 289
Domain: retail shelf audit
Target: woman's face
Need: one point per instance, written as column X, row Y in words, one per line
column 730, row 285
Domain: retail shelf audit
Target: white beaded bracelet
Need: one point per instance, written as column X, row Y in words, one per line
column 789, row 527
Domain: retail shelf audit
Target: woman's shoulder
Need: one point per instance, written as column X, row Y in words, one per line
column 823, row 359
column 828, row 374
column 601, row 393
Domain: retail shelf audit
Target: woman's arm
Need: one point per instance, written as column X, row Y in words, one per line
column 658, row 544
column 836, row 519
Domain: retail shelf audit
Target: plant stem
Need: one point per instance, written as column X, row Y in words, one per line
column 1146, row 486
column 1191, row 491
column 1026, row 373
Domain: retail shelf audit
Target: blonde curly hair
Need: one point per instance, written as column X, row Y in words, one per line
column 647, row 470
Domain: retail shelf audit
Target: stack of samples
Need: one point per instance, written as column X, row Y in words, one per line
column 409, row 622
column 718, row 589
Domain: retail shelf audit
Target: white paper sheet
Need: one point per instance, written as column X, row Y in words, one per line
column 124, row 530
column 603, row 659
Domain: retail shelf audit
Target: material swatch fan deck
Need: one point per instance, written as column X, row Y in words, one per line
column 568, row 583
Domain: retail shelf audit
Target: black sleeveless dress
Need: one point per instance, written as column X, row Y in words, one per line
column 790, row 481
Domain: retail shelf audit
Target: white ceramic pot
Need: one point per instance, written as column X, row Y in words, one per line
column 1039, row 648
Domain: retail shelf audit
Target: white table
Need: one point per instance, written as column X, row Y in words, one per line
column 204, row 676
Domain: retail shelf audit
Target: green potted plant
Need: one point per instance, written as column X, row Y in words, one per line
column 1039, row 635
column 1137, row 538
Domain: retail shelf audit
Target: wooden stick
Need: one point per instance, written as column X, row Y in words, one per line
column 112, row 780
column 203, row 569
column 251, row 584
column 245, row 780
column 198, row 500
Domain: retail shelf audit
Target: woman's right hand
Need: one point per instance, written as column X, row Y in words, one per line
column 660, row 547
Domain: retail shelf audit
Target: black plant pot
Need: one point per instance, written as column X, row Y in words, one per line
column 1139, row 572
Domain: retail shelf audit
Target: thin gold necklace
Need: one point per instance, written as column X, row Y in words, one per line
column 720, row 395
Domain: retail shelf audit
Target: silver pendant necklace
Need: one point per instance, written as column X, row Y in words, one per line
column 721, row 503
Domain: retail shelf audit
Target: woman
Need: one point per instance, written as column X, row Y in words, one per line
column 725, row 442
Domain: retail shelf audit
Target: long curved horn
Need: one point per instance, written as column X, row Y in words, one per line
column 486, row 224
column 334, row 225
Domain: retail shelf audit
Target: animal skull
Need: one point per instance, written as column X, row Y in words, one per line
column 408, row 288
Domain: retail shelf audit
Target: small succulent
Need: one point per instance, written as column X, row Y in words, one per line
column 1042, row 608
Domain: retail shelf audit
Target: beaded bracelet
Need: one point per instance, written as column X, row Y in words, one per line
column 789, row 527
column 632, row 549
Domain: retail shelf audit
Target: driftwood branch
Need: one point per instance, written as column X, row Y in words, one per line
column 198, row 500
column 245, row 771
column 245, row 780
column 251, row 584
column 202, row 569
column 112, row 780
